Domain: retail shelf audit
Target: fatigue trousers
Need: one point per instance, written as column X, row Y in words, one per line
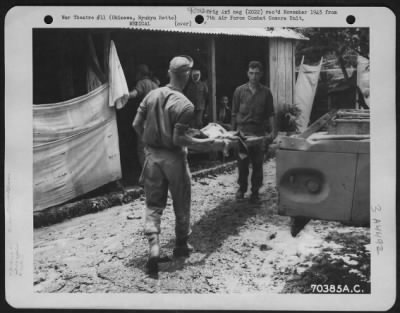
column 256, row 158
column 165, row 170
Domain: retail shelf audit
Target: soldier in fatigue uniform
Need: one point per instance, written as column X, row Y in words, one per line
column 253, row 115
column 162, row 120
column 197, row 93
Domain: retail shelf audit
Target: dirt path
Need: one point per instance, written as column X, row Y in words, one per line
column 239, row 248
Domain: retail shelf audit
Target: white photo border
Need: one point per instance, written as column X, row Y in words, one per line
column 19, row 23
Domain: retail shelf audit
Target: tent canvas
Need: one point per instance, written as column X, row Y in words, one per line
column 75, row 148
column 304, row 93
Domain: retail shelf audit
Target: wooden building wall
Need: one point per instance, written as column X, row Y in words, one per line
column 281, row 71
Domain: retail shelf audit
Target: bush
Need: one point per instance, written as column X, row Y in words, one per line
column 289, row 118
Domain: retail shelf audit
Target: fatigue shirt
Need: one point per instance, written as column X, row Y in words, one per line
column 252, row 111
column 197, row 93
column 144, row 86
column 163, row 110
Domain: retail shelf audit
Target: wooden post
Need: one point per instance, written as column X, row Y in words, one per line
column 212, row 83
column 266, row 71
column 288, row 72
column 282, row 73
column 273, row 77
column 294, row 44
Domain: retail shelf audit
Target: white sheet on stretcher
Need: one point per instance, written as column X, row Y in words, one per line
column 225, row 140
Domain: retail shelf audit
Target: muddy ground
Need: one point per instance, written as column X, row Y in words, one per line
column 239, row 248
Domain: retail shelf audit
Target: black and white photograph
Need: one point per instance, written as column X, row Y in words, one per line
column 201, row 160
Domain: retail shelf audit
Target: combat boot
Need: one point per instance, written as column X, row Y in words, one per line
column 239, row 195
column 154, row 255
column 182, row 248
column 255, row 198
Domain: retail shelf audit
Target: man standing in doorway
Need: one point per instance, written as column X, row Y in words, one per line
column 162, row 120
column 143, row 86
column 224, row 110
column 197, row 93
column 253, row 115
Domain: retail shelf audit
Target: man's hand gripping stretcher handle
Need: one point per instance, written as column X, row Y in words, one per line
column 181, row 138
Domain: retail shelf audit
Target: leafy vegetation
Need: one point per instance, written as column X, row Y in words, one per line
column 344, row 44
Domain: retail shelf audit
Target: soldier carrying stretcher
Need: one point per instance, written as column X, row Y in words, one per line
column 162, row 122
column 252, row 115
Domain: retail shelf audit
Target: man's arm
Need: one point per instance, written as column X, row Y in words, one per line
column 235, row 109
column 205, row 90
column 271, row 117
column 138, row 90
column 138, row 122
column 180, row 137
column 206, row 102
column 272, row 124
column 133, row 93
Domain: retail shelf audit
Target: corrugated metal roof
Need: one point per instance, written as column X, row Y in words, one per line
column 285, row 33
column 249, row 32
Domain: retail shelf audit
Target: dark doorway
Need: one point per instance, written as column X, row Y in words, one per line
column 233, row 54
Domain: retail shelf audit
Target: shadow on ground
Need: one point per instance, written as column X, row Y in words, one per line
column 208, row 234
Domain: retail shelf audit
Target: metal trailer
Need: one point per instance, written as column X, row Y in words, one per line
column 326, row 175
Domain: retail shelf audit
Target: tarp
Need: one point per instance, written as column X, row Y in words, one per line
column 75, row 142
column 304, row 92
column 60, row 120
column 75, row 148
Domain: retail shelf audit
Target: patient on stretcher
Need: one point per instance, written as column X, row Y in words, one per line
column 225, row 140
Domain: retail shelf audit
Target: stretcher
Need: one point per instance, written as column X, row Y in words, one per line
column 224, row 141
